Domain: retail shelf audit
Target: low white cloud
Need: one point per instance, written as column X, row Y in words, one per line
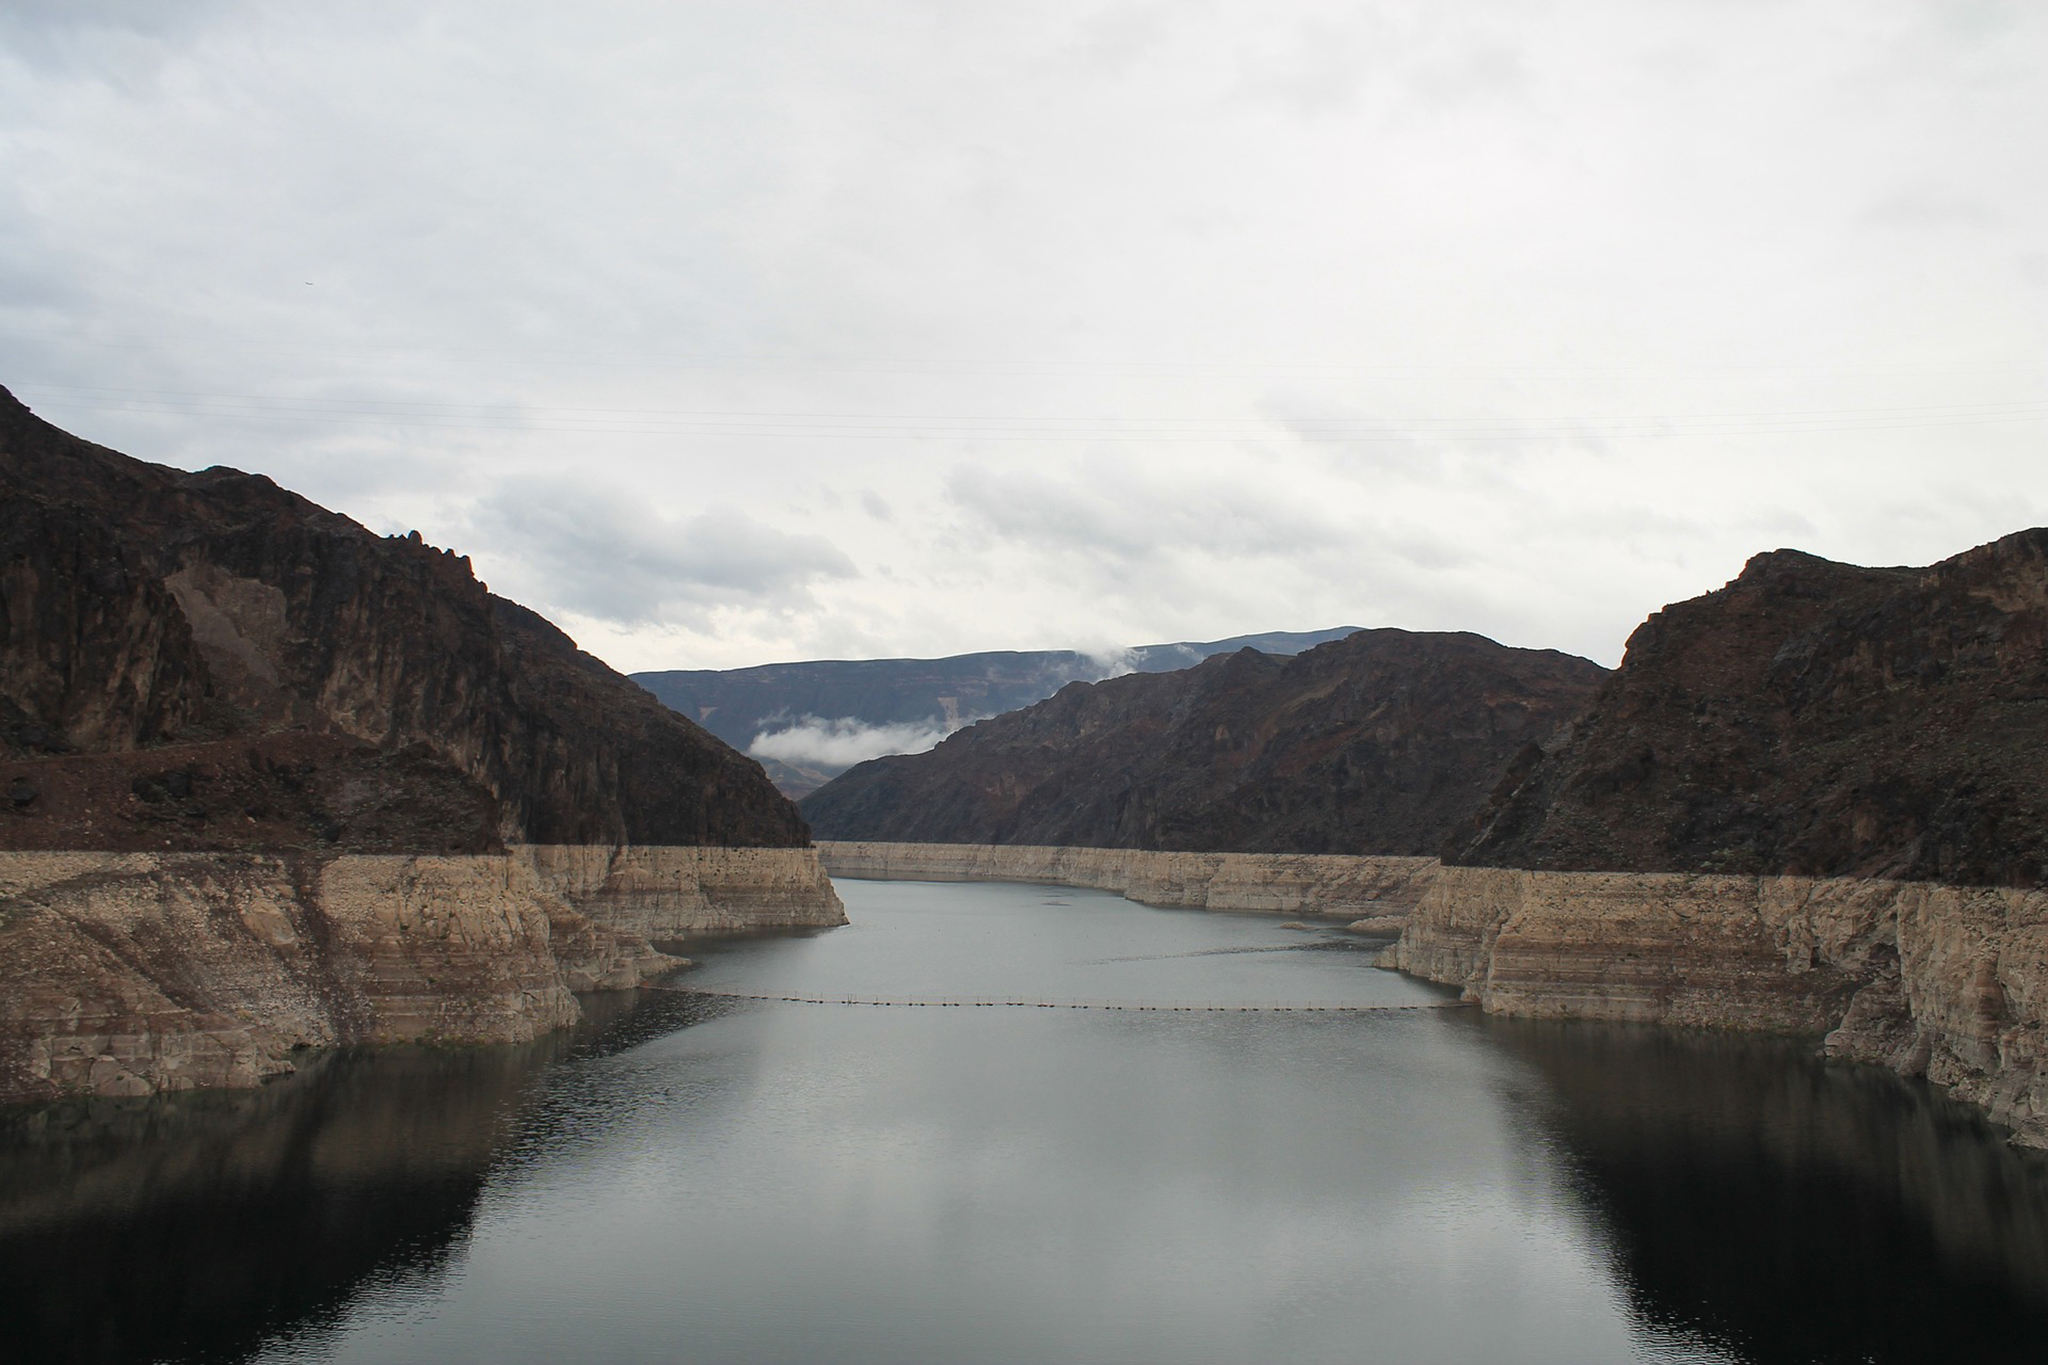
column 843, row 741
column 1113, row 661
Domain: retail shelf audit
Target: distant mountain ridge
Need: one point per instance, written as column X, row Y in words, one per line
column 919, row 700
column 1384, row 742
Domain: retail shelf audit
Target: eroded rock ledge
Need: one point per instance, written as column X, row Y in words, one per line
column 126, row 973
column 1267, row 883
column 674, row 892
column 1949, row 982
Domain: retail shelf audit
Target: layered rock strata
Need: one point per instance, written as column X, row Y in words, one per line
column 1812, row 801
column 270, row 781
column 1942, row 981
column 126, row 973
column 677, row 892
column 1350, row 886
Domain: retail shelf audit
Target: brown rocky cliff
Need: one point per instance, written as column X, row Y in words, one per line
column 144, row 604
column 1813, row 719
column 1378, row 743
column 93, row 650
column 127, row 973
column 1810, row 802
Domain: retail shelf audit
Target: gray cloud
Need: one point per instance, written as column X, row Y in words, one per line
column 1328, row 64
column 91, row 32
column 1928, row 208
column 1098, row 511
column 1323, row 64
column 601, row 555
column 1056, row 311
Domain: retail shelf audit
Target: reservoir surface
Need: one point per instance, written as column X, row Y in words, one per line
column 702, row 1178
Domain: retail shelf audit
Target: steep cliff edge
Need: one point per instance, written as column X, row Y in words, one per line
column 1380, row 743
column 126, row 973
column 1811, row 802
column 672, row 893
column 1811, row 719
column 1946, row 982
column 140, row 604
column 130, row 973
column 269, row 781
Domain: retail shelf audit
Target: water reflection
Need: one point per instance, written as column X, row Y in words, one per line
column 194, row 1227
column 756, row 1182
column 1788, row 1210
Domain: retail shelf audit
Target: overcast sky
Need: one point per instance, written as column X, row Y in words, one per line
column 734, row 332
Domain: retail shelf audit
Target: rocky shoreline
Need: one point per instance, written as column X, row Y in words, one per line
column 1946, row 982
column 1927, row 979
column 1323, row 884
column 129, row 973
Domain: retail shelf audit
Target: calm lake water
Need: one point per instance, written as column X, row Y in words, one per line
column 703, row 1180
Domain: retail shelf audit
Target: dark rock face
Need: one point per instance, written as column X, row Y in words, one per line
column 270, row 793
column 141, row 605
column 93, row 652
column 1379, row 743
column 739, row 704
column 1810, row 718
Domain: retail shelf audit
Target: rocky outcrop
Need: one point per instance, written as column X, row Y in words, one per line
column 125, row 973
column 1352, row 887
column 128, row 973
column 1381, row 743
column 1811, row 802
column 140, row 604
column 93, row 651
column 259, row 769
column 1811, row 719
column 1949, row 982
column 291, row 791
column 671, row 893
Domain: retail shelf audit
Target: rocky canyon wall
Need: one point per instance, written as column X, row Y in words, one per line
column 1264, row 883
column 127, row 973
column 141, row 605
column 673, row 892
column 1384, row 742
column 1947, row 982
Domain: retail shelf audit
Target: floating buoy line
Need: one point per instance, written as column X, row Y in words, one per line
column 1019, row 1003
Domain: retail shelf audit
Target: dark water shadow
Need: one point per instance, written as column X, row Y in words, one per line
column 194, row 1227
column 1783, row 1209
